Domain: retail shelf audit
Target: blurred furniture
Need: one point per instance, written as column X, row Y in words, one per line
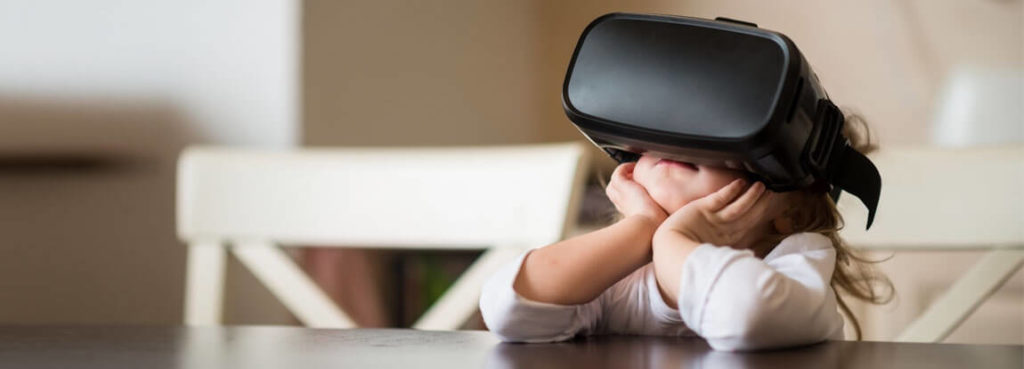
column 85, row 347
column 980, row 105
column 252, row 203
column 948, row 199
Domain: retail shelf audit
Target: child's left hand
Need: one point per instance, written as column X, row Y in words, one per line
column 724, row 218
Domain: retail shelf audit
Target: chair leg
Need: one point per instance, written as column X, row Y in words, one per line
column 204, row 284
column 950, row 310
column 461, row 300
column 276, row 270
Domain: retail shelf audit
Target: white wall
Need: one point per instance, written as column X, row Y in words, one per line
column 126, row 84
column 229, row 66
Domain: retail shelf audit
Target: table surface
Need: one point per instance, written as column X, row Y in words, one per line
column 28, row 347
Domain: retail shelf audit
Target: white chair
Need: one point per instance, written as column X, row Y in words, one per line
column 948, row 199
column 252, row 202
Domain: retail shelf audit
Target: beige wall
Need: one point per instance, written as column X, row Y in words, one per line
column 420, row 73
column 463, row 72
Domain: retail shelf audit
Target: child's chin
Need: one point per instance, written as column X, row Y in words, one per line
column 667, row 194
column 670, row 205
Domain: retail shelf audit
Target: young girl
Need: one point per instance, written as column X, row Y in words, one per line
column 698, row 251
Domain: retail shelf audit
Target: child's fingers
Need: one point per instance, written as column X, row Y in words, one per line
column 718, row 200
column 762, row 205
column 744, row 203
column 623, row 171
column 616, row 178
column 759, row 210
column 613, row 191
column 622, row 179
column 621, row 184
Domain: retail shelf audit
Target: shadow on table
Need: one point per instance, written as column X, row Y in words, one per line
column 653, row 352
column 662, row 352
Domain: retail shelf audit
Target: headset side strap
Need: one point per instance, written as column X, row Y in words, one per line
column 857, row 175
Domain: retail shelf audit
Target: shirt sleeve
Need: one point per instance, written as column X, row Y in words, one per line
column 737, row 301
column 514, row 318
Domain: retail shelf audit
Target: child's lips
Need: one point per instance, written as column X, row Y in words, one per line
column 674, row 163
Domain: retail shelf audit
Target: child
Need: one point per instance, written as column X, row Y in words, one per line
column 697, row 251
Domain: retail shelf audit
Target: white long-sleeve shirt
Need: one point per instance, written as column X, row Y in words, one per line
column 731, row 298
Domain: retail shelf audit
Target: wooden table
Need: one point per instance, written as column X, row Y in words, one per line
column 303, row 348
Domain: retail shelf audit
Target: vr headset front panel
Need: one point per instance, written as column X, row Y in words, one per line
column 694, row 90
column 677, row 78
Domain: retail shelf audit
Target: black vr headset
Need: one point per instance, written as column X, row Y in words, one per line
column 715, row 92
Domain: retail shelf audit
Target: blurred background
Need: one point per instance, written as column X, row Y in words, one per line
column 98, row 98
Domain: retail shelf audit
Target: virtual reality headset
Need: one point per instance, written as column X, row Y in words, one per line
column 714, row 92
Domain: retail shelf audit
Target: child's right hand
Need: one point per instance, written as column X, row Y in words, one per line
column 727, row 217
column 630, row 198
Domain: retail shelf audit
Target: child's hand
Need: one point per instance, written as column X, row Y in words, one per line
column 630, row 198
column 723, row 218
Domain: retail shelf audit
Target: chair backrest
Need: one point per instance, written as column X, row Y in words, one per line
column 433, row 197
column 941, row 198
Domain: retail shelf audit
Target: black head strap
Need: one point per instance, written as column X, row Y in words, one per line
column 843, row 167
column 857, row 175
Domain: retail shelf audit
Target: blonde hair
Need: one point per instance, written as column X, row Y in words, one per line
column 813, row 210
